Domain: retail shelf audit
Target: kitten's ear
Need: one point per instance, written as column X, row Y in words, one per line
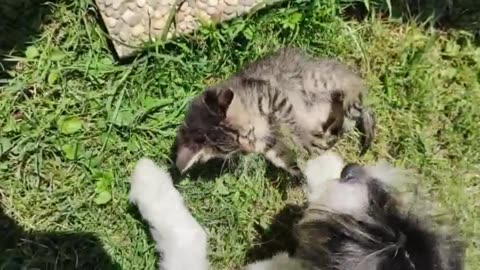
column 218, row 100
column 186, row 157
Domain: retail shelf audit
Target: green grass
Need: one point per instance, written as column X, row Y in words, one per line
column 73, row 123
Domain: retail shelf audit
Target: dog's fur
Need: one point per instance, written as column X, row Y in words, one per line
column 353, row 222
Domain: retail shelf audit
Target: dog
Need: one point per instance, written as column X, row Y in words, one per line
column 354, row 220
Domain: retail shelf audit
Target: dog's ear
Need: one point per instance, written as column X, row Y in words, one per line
column 218, row 100
column 312, row 237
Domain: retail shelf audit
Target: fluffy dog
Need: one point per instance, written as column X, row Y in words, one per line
column 354, row 220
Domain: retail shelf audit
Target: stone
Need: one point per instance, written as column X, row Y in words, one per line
column 240, row 10
column 229, row 16
column 180, row 16
column 129, row 22
column 153, row 3
column 110, row 22
column 137, row 30
column 189, row 18
column 124, row 35
column 212, row 11
column 184, row 7
column 247, row 3
column 159, row 24
column 228, row 10
column 231, row 2
column 201, row 5
column 212, row 3
column 202, row 15
column 166, row 3
column 132, row 6
column 182, row 26
column 116, row 30
column 109, row 12
column 116, row 4
column 159, row 13
column 131, row 18
column 145, row 38
column 141, row 3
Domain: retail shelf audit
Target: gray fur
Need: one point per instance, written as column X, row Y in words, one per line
column 314, row 100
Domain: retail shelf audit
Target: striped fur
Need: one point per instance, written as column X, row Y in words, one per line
column 315, row 100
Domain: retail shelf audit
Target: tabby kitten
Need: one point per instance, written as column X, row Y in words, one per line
column 287, row 95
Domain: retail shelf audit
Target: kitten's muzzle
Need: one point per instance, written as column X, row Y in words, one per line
column 351, row 172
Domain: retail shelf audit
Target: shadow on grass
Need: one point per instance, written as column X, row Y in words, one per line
column 278, row 237
column 443, row 14
column 208, row 171
column 20, row 23
column 214, row 168
column 20, row 249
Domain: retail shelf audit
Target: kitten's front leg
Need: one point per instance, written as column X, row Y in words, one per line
column 280, row 156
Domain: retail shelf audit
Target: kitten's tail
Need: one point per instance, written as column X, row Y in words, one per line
column 364, row 121
column 176, row 233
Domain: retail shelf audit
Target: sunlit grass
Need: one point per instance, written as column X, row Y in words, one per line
column 73, row 122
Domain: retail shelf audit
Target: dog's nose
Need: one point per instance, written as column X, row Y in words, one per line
column 351, row 171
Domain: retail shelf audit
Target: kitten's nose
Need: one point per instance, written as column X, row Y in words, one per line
column 351, row 171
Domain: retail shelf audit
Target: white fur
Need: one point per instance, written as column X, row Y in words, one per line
column 346, row 198
column 389, row 174
column 280, row 261
column 324, row 189
column 320, row 170
column 178, row 236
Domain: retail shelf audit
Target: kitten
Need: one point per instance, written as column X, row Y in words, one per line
column 353, row 221
column 287, row 95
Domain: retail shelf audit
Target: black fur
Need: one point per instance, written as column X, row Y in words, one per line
column 386, row 240
column 203, row 126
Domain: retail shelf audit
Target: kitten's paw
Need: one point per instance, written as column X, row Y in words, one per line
column 295, row 171
column 325, row 167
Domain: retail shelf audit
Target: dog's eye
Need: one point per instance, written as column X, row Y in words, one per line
column 348, row 179
column 351, row 170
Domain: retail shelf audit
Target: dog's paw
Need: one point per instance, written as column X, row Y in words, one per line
column 325, row 167
column 149, row 180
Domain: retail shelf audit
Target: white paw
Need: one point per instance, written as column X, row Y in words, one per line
column 325, row 167
column 320, row 170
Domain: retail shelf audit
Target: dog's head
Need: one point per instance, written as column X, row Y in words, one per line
column 355, row 221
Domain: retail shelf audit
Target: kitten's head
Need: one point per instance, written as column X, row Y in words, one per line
column 355, row 221
column 205, row 134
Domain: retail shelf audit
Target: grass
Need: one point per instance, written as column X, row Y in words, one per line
column 73, row 122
